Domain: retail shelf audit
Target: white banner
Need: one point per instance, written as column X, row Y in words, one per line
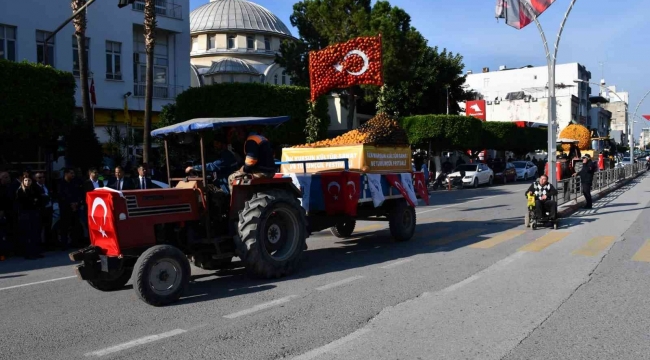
column 407, row 182
column 374, row 184
column 303, row 182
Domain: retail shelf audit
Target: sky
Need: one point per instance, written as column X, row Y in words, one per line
column 615, row 33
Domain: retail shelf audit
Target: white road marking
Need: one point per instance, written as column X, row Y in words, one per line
column 458, row 285
column 333, row 345
column 36, row 283
column 339, row 283
column 135, row 342
column 261, row 307
column 396, row 263
column 459, row 204
column 496, row 266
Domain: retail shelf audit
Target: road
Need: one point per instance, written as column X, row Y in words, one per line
column 473, row 283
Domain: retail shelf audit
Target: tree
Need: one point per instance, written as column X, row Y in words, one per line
column 150, row 42
column 82, row 147
column 80, row 23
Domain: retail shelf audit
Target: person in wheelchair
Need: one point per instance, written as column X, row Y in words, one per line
column 543, row 191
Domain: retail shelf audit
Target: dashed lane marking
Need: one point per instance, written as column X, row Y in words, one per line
column 396, row 263
column 339, row 283
column 496, row 240
column 455, row 237
column 136, row 342
column 595, row 246
column 37, row 282
column 643, row 254
column 544, row 241
column 261, row 307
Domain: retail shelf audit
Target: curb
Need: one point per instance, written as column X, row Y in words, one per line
column 570, row 209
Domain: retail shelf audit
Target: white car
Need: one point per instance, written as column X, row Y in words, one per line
column 525, row 169
column 475, row 174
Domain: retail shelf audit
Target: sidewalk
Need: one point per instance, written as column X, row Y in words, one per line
column 490, row 313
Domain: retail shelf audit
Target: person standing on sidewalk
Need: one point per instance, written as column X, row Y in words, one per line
column 586, row 174
column 29, row 222
column 46, row 211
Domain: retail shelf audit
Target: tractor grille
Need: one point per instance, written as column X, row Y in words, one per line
column 137, row 211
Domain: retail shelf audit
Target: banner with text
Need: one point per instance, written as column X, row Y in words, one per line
column 367, row 158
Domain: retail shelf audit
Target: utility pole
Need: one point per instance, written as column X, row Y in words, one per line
column 447, row 99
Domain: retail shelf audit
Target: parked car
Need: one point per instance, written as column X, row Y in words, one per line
column 475, row 174
column 525, row 169
column 504, row 172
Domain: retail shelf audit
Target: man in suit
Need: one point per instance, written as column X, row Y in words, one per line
column 93, row 181
column 46, row 211
column 120, row 182
column 142, row 181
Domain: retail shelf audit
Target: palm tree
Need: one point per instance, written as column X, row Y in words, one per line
column 149, row 40
column 80, row 22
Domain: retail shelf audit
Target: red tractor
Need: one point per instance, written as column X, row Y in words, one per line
column 150, row 236
column 567, row 164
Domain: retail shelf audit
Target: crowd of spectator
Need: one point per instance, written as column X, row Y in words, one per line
column 39, row 214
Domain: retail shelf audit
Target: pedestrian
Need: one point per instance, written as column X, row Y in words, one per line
column 6, row 206
column 29, row 223
column 586, row 174
column 69, row 196
column 46, row 211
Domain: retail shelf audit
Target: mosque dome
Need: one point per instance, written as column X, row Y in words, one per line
column 231, row 66
column 236, row 15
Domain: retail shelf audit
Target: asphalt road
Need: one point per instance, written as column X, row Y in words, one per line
column 473, row 283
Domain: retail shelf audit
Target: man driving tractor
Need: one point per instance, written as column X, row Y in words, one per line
column 259, row 162
column 543, row 190
column 226, row 164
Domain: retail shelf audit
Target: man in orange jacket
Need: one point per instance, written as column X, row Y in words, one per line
column 259, row 162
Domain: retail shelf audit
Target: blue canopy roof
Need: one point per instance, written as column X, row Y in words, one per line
column 214, row 123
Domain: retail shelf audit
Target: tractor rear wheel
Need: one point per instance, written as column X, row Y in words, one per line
column 161, row 274
column 111, row 282
column 272, row 232
column 401, row 221
column 344, row 228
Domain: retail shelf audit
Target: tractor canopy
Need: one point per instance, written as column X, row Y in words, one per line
column 200, row 124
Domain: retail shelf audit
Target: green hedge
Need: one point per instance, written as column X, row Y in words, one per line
column 37, row 105
column 254, row 99
column 446, row 131
column 464, row 133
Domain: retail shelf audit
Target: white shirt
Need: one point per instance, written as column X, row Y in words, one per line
column 120, row 184
column 142, row 179
column 95, row 183
column 47, row 193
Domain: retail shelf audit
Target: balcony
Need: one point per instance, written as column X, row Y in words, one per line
column 163, row 8
column 159, row 91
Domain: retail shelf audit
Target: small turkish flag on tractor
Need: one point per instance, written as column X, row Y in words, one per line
column 355, row 62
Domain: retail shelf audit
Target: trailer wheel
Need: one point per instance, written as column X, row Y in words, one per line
column 161, row 274
column 111, row 282
column 401, row 221
column 344, row 228
column 272, row 232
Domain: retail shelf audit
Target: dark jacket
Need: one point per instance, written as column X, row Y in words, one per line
column 68, row 193
column 6, row 203
column 536, row 188
column 127, row 184
column 27, row 200
column 259, row 155
column 45, row 198
column 88, row 186
column 148, row 183
column 586, row 173
column 224, row 166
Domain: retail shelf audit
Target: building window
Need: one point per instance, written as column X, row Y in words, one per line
column 212, row 41
column 275, row 79
column 250, row 42
column 160, row 62
column 44, row 56
column 231, row 41
column 8, row 42
column 113, row 60
column 267, row 43
column 195, row 43
column 284, row 78
column 75, row 55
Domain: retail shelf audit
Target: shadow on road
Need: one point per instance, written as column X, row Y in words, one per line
column 52, row 259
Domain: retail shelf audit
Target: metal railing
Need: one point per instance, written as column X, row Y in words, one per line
column 570, row 189
column 159, row 91
column 163, row 8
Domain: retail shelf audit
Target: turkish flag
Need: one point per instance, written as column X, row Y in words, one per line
column 355, row 62
column 101, row 223
column 341, row 192
column 421, row 186
column 647, row 117
column 395, row 181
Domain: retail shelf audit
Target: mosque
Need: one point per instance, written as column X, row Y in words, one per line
column 236, row 41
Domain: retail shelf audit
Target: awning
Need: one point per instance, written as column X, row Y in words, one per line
column 214, row 123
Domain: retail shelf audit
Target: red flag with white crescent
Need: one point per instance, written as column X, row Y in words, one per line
column 421, row 186
column 341, row 192
column 520, row 13
column 396, row 182
column 101, row 222
column 355, row 62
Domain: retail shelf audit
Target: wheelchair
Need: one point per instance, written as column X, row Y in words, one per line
column 531, row 220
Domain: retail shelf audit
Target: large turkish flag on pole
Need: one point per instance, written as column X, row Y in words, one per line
column 520, row 13
column 355, row 62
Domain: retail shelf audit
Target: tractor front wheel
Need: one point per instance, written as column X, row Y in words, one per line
column 272, row 230
column 161, row 274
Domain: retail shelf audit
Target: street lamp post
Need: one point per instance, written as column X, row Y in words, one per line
column 635, row 111
column 447, row 99
column 630, row 129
